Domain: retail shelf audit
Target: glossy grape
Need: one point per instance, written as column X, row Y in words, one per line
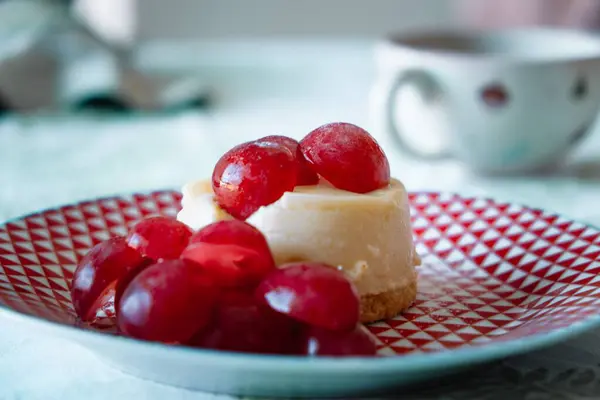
column 241, row 324
column 314, row 293
column 97, row 273
column 235, row 252
column 167, row 302
column 252, row 175
column 232, row 232
column 159, row 238
column 229, row 264
column 347, row 156
column 306, row 176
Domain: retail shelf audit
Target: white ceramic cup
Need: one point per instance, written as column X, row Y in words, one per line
column 500, row 101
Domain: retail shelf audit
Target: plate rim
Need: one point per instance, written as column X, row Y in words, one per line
column 415, row 362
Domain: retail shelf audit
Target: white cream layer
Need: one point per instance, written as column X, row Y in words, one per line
column 368, row 236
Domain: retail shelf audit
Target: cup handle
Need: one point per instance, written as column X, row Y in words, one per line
column 430, row 90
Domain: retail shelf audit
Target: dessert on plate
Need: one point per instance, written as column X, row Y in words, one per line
column 365, row 233
column 287, row 250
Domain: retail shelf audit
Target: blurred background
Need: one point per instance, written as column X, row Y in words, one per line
column 48, row 44
column 117, row 41
column 113, row 96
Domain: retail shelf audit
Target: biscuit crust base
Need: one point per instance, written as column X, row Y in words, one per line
column 388, row 304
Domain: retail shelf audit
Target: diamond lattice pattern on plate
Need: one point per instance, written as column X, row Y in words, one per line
column 491, row 271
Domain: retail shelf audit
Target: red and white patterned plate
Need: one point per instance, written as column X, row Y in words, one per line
column 496, row 279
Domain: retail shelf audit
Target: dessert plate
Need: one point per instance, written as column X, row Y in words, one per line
column 497, row 279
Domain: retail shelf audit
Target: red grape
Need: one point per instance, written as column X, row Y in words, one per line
column 235, row 251
column 126, row 279
column 159, row 238
column 100, row 268
column 167, row 302
column 252, row 175
column 229, row 264
column 241, row 324
column 314, row 293
column 232, row 232
column 347, row 156
column 322, row 342
column 306, row 176
column 102, row 308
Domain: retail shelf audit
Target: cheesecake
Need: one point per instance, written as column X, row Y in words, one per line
column 367, row 236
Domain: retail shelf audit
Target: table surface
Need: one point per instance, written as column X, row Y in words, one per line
column 51, row 160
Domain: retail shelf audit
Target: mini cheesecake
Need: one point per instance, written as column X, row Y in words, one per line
column 367, row 236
